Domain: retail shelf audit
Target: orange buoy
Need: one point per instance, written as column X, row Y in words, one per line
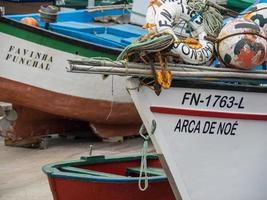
column 30, row 21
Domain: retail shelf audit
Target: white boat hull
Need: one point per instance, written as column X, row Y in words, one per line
column 35, row 76
column 213, row 140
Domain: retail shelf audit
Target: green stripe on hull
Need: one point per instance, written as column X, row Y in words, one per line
column 50, row 42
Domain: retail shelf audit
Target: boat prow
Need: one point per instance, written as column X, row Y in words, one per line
column 212, row 135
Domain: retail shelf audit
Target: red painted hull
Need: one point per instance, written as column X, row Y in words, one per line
column 107, row 119
column 36, row 123
column 63, row 189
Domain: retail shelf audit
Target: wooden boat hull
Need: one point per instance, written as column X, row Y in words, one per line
column 67, row 186
column 33, row 74
column 23, row 7
column 212, row 135
column 80, row 190
column 33, row 125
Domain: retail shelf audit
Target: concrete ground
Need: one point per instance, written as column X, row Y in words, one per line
column 21, row 176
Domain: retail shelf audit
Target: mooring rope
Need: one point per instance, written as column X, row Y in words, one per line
column 143, row 165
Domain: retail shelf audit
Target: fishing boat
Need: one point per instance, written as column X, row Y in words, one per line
column 100, row 177
column 33, row 74
column 208, row 121
column 23, row 6
column 217, row 132
column 209, row 125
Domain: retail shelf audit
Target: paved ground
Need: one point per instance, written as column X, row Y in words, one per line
column 21, row 177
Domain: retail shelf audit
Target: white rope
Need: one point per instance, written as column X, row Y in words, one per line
column 143, row 165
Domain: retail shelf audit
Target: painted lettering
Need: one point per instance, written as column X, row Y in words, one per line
column 212, row 101
column 29, row 58
column 227, row 128
column 11, row 48
column 178, row 126
column 25, row 51
column 193, row 97
column 17, row 51
column 8, row 56
column 165, row 13
column 165, row 23
column 184, row 127
column 187, row 96
column 206, row 127
column 21, row 61
column 185, row 49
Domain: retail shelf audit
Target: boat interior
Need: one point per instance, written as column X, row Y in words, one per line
column 100, row 167
column 109, row 28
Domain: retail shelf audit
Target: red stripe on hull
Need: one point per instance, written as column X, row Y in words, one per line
column 205, row 113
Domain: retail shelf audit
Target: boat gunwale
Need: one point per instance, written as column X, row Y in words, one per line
column 52, row 171
column 201, row 84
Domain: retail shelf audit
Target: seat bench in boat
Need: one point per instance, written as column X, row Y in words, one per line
column 117, row 36
column 80, row 26
column 151, row 171
column 89, row 172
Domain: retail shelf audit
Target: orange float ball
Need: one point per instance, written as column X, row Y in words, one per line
column 30, row 21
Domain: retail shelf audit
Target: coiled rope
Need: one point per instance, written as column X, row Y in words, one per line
column 212, row 18
column 158, row 43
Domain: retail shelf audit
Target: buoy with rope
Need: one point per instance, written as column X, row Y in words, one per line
column 153, row 9
column 193, row 50
column 258, row 14
column 241, row 44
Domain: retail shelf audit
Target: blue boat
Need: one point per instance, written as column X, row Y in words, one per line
column 106, row 29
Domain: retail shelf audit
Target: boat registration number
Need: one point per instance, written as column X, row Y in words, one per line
column 212, row 100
